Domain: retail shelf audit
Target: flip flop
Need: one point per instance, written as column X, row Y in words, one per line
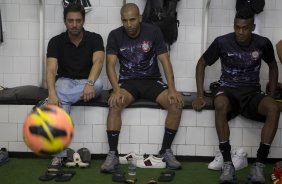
column 64, row 176
column 48, row 176
column 152, row 181
column 118, row 176
column 166, row 176
column 130, row 181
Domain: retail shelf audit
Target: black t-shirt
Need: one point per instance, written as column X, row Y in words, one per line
column 240, row 66
column 137, row 56
column 74, row 62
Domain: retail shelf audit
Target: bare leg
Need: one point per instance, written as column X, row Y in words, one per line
column 270, row 109
column 222, row 107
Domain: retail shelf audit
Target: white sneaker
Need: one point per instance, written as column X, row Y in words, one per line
column 217, row 163
column 151, row 162
column 123, row 160
column 239, row 158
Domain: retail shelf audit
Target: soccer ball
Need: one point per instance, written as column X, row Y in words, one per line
column 47, row 130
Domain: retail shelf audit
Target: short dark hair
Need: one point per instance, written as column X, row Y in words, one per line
column 74, row 8
column 245, row 13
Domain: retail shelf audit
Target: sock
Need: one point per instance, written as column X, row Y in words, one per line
column 225, row 149
column 113, row 140
column 169, row 135
column 262, row 153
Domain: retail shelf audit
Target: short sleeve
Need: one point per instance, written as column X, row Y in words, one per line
column 160, row 45
column 211, row 55
column 268, row 54
column 99, row 44
column 111, row 47
column 53, row 48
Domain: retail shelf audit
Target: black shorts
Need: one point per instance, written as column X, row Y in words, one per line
column 244, row 101
column 145, row 89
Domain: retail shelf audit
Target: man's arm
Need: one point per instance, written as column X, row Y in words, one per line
column 51, row 71
column 279, row 50
column 174, row 96
column 273, row 77
column 199, row 102
column 116, row 97
column 97, row 60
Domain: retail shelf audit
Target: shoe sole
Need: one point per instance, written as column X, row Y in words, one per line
column 174, row 168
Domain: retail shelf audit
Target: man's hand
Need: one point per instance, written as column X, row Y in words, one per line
column 175, row 97
column 199, row 103
column 54, row 100
column 116, row 99
column 88, row 93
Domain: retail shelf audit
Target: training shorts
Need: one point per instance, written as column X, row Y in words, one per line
column 243, row 101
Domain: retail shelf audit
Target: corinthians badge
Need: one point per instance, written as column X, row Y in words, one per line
column 146, row 46
column 255, row 55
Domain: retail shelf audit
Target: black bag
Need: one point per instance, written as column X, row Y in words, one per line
column 27, row 95
column 163, row 14
column 255, row 5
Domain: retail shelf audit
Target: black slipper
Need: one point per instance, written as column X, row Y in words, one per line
column 166, row 176
column 130, row 181
column 48, row 176
column 118, row 176
column 65, row 176
column 152, row 181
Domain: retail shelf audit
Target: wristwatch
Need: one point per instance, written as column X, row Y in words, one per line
column 90, row 82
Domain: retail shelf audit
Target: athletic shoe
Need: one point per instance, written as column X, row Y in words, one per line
column 4, row 156
column 55, row 165
column 239, row 158
column 228, row 173
column 256, row 174
column 217, row 163
column 111, row 163
column 151, row 162
column 69, row 162
column 123, row 160
column 170, row 160
column 85, row 157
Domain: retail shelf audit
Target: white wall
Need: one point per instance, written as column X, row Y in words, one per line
column 19, row 65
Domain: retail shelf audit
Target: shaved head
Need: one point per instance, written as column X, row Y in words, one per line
column 129, row 7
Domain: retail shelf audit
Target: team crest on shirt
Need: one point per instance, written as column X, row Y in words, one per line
column 255, row 55
column 146, row 46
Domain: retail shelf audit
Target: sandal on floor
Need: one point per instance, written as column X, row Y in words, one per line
column 118, row 176
column 152, row 181
column 65, row 176
column 48, row 176
column 166, row 176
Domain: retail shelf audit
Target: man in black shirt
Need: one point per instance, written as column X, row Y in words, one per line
column 241, row 53
column 75, row 58
column 138, row 47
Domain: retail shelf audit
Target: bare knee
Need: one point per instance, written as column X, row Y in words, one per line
column 174, row 109
column 221, row 104
column 272, row 110
column 115, row 111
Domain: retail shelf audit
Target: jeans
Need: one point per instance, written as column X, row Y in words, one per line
column 69, row 91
